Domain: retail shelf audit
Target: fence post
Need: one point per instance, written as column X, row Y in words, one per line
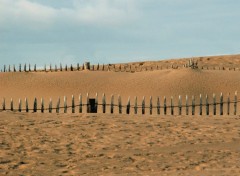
column 26, row 104
column 165, row 105
column 80, row 103
column 180, row 105
column 29, row 67
column 187, row 108
column 172, row 106
column 207, row 105
column 35, row 67
column 45, row 67
column 35, row 105
column 214, row 104
column 20, row 68
column 112, row 104
column 104, row 103
column 14, row 69
column 135, row 105
column 96, row 103
column 200, row 105
column 58, row 106
column 193, row 105
column 88, row 104
column 50, row 106
column 19, row 105
column 9, row 68
column 25, row 67
column 65, row 104
column 221, row 104
column 158, row 105
column 151, row 106
column 128, row 106
column 235, row 103
column 11, row 104
column 78, row 67
column 228, row 104
column 119, row 104
column 42, row 105
column 60, row 66
column 4, row 105
column 73, row 104
column 66, row 68
column 143, row 105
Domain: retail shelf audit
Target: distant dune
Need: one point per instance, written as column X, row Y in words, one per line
column 166, row 82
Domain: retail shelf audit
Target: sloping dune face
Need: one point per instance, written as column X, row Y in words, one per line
column 147, row 83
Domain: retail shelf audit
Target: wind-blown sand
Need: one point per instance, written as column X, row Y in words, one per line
column 113, row 144
column 94, row 144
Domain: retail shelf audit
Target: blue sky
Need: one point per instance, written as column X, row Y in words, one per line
column 113, row 31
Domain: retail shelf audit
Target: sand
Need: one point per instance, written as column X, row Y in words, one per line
column 113, row 144
column 94, row 144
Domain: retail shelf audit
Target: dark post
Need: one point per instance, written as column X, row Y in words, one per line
column 214, row 104
column 19, row 105
column 143, row 105
column 165, row 105
column 221, row 104
column 158, row 105
column 26, row 104
column 193, row 105
column 235, row 103
column 104, row 103
column 42, row 105
column 50, row 106
column 119, row 104
column 65, row 104
column 187, row 108
column 112, row 103
column 179, row 105
column 11, row 105
column 151, row 106
column 58, row 106
column 228, row 104
column 135, row 105
column 200, row 105
column 207, row 105
column 172, row 106
column 80, row 103
column 73, row 104
column 35, row 105
column 128, row 106
column 4, row 105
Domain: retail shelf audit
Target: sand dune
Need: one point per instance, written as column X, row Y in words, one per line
column 49, row 144
column 113, row 144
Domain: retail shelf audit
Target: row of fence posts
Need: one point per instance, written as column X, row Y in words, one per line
column 86, row 66
column 92, row 105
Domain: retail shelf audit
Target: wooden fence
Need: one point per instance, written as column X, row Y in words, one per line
column 165, row 107
column 109, row 67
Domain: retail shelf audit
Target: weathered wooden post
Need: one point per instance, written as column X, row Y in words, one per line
column 135, row 105
column 20, row 105
column 60, row 66
column 103, row 67
column 158, row 105
column 4, row 105
column 56, row 68
column 228, row 104
column 214, row 105
column 14, row 69
column 172, row 106
column 128, row 106
column 9, row 68
column 71, row 67
column 80, row 103
column 4, row 68
column 25, row 67
column 151, row 106
column 11, row 104
column 143, row 105
column 119, row 104
column 65, row 104
column 73, row 104
column 35, row 67
column 200, row 105
column 45, row 67
column 235, row 103
column 179, row 105
column 98, row 66
column 35, row 105
column 58, row 106
column 42, row 105
column 29, row 67
column 20, row 68
column 187, row 108
column 104, row 103
column 78, row 67
column 88, row 104
column 221, row 104
column 66, row 67
column 50, row 106
column 165, row 105
column 26, row 104
column 207, row 105
column 96, row 103
column 87, row 65
column 193, row 105
column 112, row 104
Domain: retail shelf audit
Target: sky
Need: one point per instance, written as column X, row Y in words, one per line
column 114, row 31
